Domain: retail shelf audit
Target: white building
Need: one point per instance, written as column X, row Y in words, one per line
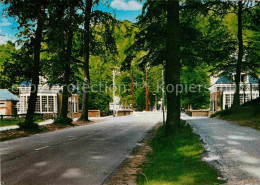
column 222, row 91
column 48, row 98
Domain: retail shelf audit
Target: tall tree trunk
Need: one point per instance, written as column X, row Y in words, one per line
column 240, row 55
column 251, row 92
column 244, row 92
column 172, row 68
column 67, row 72
column 146, row 91
column 259, row 87
column 35, row 69
column 85, row 100
column 163, row 95
column 148, row 98
column 65, row 93
column 133, row 89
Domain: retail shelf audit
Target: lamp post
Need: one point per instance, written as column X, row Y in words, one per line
column 155, row 103
column 163, row 95
column 114, row 91
column 146, row 91
column 114, row 76
column 251, row 93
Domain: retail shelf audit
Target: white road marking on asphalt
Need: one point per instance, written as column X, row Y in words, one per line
column 72, row 138
column 42, row 148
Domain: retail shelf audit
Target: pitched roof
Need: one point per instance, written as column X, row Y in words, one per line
column 5, row 95
column 252, row 80
column 223, row 80
column 26, row 83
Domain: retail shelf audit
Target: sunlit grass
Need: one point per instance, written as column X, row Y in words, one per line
column 14, row 121
column 176, row 160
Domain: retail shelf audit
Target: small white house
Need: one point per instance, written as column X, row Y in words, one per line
column 49, row 99
column 222, row 91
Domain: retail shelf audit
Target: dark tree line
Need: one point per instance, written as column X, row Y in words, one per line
column 54, row 29
column 60, row 36
column 176, row 34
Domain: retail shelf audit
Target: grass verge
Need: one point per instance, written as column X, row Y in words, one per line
column 176, row 160
column 15, row 121
column 247, row 114
column 18, row 133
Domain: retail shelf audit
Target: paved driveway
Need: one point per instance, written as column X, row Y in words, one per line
column 81, row 155
column 234, row 149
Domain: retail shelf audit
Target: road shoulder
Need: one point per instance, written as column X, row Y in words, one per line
column 17, row 133
column 127, row 171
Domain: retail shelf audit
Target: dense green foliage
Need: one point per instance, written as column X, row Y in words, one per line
column 101, row 73
column 208, row 40
column 204, row 41
column 63, row 121
column 196, row 80
column 6, row 52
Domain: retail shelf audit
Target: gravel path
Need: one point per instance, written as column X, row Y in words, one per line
column 233, row 149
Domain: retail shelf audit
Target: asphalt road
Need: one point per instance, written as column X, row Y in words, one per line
column 233, row 149
column 81, row 155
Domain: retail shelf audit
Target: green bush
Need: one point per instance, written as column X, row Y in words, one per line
column 254, row 102
column 221, row 113
column 25, row 126
column 63, row 121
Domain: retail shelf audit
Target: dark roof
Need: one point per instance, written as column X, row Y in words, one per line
column 29, row 84
column 5, row 95
column 252, row 80
column 26, row 83
column 223, row 80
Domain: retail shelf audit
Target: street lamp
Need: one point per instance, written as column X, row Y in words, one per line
column 114, row 91
column 155, row 101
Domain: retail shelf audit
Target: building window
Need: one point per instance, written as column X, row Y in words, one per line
column 76, row 108
column 44, row 104
column 38, row 107
column 228, row 100
column 23, row 104
column 20, row 103
column 244, row 78
column 18, row 106
column 26, row 99
column 2, row 104
column 51, row 104
column 55, row 104
column 241, row 98
column 74, row 105
column 248, row 97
